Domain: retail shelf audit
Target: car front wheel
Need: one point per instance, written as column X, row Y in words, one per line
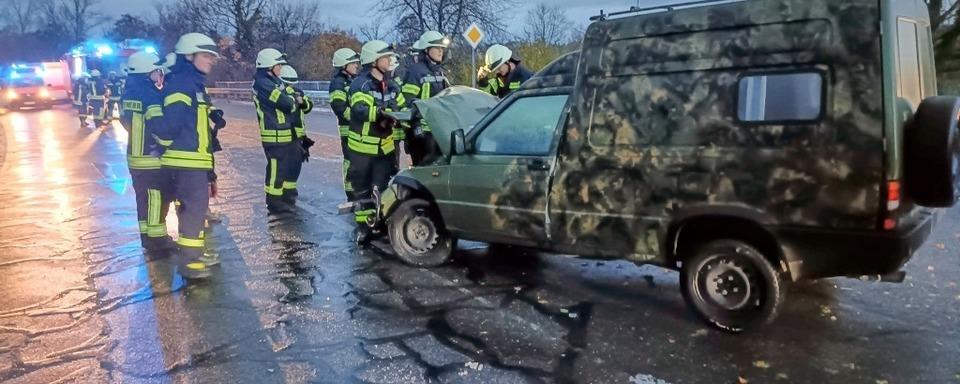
column 418, row 235
column 731, row 285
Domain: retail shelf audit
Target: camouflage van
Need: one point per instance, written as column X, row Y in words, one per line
column 746, row 144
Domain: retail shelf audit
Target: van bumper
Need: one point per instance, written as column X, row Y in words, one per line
column 813, row 253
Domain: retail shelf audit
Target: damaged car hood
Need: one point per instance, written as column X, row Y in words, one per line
column 457, row 107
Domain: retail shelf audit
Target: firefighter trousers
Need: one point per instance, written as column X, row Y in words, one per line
column 347, row 186
column 153, row 194
column 365, row 173
column 191, row 190
column 278, row 180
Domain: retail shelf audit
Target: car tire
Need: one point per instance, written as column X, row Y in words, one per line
column 932, row 153
column 418, row 235
column 731, row 285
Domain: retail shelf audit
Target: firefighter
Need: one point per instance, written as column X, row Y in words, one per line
column 347, row 64
column 115, row 83
column 371, row 141
column 425, row 79
column 185, row 133
column 81, row 92
column 275, row 110
column 508, row 74
column 98, row 96
column 302, row 143
column 142, row 108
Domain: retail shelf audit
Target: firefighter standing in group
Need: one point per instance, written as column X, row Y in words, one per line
column 99, row 93
column 142, row 109
column 81, row 94
column 371, row 141
column 424, row 79
column 185, row 133
column 115, row 83
column 507, row 72
column 347, row 63
column 302, row 143
column 275, row 110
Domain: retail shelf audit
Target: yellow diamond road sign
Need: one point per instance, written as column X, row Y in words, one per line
column 474, row 35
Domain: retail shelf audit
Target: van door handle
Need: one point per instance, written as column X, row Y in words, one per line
column 538, row 165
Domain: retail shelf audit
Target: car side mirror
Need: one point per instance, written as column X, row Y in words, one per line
column 458, row 143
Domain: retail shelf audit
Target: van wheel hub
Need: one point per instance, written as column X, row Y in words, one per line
column 728, row 284
column 421, row 234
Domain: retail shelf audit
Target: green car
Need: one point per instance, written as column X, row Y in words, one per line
column 746, row 144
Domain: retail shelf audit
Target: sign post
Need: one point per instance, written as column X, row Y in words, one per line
column 474, row 36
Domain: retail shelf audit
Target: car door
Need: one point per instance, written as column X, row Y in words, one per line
column 498, row 189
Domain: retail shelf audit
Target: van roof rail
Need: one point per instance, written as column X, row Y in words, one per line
column 661, row 8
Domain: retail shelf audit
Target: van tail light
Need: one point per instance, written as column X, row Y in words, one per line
column 893, row 195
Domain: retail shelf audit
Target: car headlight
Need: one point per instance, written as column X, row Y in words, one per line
column 11, row 94
column 44, row 93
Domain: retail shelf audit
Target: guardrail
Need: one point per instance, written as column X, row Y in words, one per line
column 243, row 91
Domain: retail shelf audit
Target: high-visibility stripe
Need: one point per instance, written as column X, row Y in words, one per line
column 143, row 227
column 401, row 101
column 153, row 206
column 281, row 117
column 362, row 97
column 178, row 97
column 272, row 180
column 189, row 243
column 425, row 92
column 162, row 142
column 136, row 134
column 338, row 95
column 157, row 230
column 143, row 162
column 289, row 185
column 203, row 128
column 189, row 160
column 301, row 132
column 153, row 111
column 411, row 88
column 275, row 95
column 362, row 216
column 344, row 130
column 514, row 85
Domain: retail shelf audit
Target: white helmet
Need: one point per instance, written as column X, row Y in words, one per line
column 267, row 58
column 373, row 50
column 170, row 60
column 195, row 43
column 496, row 56
column 431, row 39
column 344, row 56
column 143, row 62
column 95, row 73
column 289, row 75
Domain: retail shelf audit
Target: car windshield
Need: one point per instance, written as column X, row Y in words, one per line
column 27, row 81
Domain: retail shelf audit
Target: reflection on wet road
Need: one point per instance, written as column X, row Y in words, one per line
column 294, row 301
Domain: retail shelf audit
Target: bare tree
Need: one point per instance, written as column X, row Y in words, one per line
column 183, row 16
column 22, row 15
column 289, row 25
column 242, row 17
column 547, row 24
column 77, row 17
column 372, row 31
column 451, row 17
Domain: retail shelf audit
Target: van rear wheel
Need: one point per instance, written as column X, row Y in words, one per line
column 731, row 285
column 932, row 153
column 418, row 235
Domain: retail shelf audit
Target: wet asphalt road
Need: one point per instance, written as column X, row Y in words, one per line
column 294, row 301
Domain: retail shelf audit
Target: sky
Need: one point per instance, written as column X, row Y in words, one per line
column 340, row 13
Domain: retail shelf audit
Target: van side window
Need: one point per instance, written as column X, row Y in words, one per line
column 908, row 64
column 780, row 97
column 525, row 128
